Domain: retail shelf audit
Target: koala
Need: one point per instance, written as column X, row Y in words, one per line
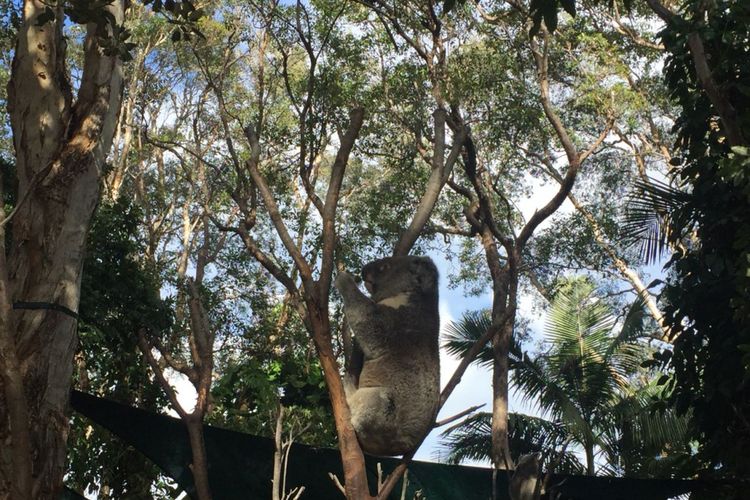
column 394, row 392
column 523, row 483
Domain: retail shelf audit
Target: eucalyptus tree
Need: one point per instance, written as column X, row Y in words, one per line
column 60, row 146
column 604, row 46
column 62, row 134
column 531, row 69
column 501, row 84
column 285, row 169
column 261, row 85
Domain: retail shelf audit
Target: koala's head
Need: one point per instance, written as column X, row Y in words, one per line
column 394, row 275
column 528, row 463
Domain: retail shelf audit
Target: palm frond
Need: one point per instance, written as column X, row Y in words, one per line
column 471, row 439
column 460, row 336
column 625, row 353
column 536, row 385
column 644, row 438
column 648, row 219
column 579, row 330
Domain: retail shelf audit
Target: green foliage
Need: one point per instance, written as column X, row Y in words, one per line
column 248, row 392
column 460, row 336
column 119, row 296
column 648, row 439
column 114, row 38
column 587, row 363
column 470, row 440
column 585, row 383
column 708, row 295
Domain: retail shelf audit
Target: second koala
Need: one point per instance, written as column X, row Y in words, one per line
column 394, row 396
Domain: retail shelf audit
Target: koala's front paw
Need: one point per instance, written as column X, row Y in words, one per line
column 344, row 280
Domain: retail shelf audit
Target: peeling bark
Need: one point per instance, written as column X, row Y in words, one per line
column 60, row 148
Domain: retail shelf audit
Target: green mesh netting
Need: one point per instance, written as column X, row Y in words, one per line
column 241, row 465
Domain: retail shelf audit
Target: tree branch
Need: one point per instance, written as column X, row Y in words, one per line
column 273, row 209
column 146, row 350
column 356, row 118
column 574, row 161
column 725, row 109
column 457, row 416
column 439, row 175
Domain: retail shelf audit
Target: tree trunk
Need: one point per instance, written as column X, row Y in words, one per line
column 501, row 341
column 60, row 149
column 199, row 467
column 353, row 460
column 502, row 324
column 590, row 466
column 278, row 491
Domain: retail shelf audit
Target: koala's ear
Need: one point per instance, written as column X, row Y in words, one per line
column 425, row 272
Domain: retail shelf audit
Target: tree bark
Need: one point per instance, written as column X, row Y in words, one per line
column 726, row 111
column 199, row 467
column 60, row 149
column 441, row 170
column 277, row 492
column 353, row 460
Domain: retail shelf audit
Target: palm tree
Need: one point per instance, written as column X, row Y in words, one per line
column 648, row 438
column 470, row 440
column 582, row 383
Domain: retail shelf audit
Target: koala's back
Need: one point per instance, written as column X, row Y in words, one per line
column 412, row 373
column 406, row 386
column 400, row 375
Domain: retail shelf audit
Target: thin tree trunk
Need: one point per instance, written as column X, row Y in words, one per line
column 355, row 476
column 590, row 465
column 626, row 271
column 199, row 467
column 501, row 457
column 278, row 490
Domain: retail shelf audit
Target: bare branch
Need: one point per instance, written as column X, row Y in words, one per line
column 168, row 389
column 441, row 170
column 273, row 209
column 356, row 118
column 457, row 416
column 574, row 162
column 337, row 483
column 598, row 142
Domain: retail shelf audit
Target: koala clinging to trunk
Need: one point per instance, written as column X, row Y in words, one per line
column 394, row 396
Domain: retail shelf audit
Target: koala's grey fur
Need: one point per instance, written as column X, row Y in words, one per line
column 524, row 480
column 393, row 399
